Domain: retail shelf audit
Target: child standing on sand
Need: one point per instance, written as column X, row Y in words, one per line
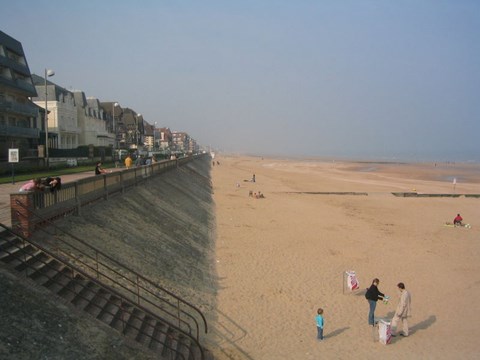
column 320, row 322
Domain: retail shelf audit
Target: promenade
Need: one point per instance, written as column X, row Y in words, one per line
column 7, row 189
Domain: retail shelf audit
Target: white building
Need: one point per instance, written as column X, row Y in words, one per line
column 62, row 114
column 91, row 121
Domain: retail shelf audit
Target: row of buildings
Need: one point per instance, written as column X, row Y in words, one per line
column 73, row 118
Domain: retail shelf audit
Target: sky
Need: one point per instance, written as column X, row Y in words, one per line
column 387, row 80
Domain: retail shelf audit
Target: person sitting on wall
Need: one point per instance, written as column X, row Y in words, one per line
column 99, row 170
column 52, row 183
column 32, row 185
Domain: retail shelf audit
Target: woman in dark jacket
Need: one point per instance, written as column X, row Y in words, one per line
column 373, row 295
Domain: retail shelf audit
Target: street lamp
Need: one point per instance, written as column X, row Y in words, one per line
column 115, row 104
column 137, row 132
column 154, row 130
column 48, row 73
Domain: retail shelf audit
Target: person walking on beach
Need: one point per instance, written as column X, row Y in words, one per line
column 403, row 310
column 373, row 295
column 320, row 323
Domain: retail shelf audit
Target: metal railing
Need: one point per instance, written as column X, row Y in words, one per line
column 119, row 275
column 73, row 196
column 28, row 249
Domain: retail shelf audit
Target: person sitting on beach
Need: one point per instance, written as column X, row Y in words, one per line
column 458, row 220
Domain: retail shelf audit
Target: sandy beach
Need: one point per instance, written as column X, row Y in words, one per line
column 282, row 257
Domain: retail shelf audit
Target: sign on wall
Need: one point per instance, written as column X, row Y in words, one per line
column 13, row 156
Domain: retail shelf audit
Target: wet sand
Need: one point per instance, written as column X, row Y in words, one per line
column 282, row 257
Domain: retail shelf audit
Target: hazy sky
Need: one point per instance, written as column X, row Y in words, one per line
column 384, row 79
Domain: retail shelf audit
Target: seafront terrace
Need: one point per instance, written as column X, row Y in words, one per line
column 78, row 190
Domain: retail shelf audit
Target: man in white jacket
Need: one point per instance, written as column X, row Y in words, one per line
column 403, row 310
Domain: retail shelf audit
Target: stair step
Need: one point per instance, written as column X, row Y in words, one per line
column 85, row 295
column 9, row 241
column 184, row 346
column 146, row 330
column 72, row 289
column 60, row 280
column 171, row 344
column 17, row 253
column 33, row 263
column 110, row 309
column 98, row 302
column 134, row 322
column 159, row 337
column 120, row 318
column 44, row 273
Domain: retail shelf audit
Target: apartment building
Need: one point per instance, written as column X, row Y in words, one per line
column 180, row 141
column 19, row 117
column 164, row 138
column 134, row 127
column 91, row 121
column 113, row 116
column 62, row 113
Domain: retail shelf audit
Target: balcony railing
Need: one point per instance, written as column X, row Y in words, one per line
column 19, row 132
column 17, row 108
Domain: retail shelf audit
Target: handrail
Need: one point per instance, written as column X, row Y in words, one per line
column 136, row 274
column 102, row 285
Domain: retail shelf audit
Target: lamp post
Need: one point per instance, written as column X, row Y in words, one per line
column 48, row 73
column 154, row 130
column 115, row 104
column 137, row 132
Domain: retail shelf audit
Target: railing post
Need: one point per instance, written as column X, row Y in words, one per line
column 105, row 190
column 138, row 290
column 178, row 312
column 96, row 263
column 77, row 199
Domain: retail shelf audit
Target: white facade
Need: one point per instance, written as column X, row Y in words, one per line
column 93, row 127
column 62, row 119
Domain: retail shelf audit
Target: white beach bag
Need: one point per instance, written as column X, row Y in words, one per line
column 352, row 281
column 384, row 332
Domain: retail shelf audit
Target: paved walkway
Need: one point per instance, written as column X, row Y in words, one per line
column 7, row 189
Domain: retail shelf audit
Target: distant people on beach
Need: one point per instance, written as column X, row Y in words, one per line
column 99, row 170
column 373, row 295
column 403, row 311
column 320, row 323
column 32, row 185
column 128, row 161
column 458, row 220
column 253, row 178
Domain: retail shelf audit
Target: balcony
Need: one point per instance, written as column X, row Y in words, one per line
column 17, row 108
column 14, row 131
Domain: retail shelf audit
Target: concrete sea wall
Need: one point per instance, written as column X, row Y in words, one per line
column 164, row 229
